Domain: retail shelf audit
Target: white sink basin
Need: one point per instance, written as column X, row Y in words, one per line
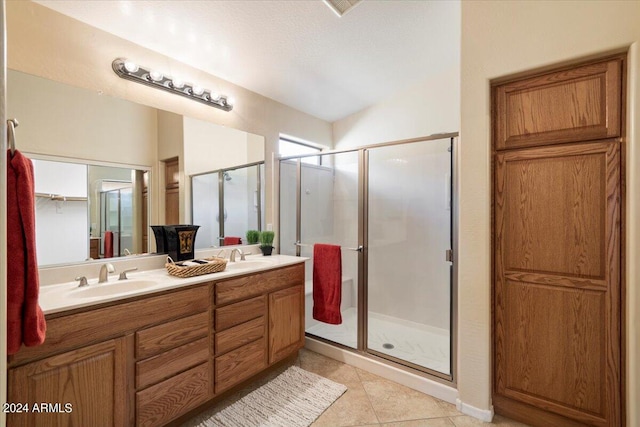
column 115, row 288
column 246, row 265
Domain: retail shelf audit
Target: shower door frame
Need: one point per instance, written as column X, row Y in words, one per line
column 363, row 229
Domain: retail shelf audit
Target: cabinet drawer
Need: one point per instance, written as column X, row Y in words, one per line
column 76, row 330
column 240, row 364
column 157, row 339
column 240, row 312
column 257, row 284
column 167, row 364
column 161, row 403
column 240, row 335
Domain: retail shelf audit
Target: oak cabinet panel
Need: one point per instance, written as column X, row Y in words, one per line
column 172, row 362
column 256, row 284
column 163, row 402
column 574, row 105
column 234, row 367
column 90, row 379
column 557, row 246
column 240, row 312
column 239, row 335
column 286, row 322
column 164, row 337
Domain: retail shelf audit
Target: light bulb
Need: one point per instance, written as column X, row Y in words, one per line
column 197, row 90
column 177, row 83
column 131, row 67
column 230, row 101
column 156, row 76
column 214, row 96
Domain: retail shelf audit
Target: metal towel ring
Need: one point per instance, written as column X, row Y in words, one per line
column 12, row 124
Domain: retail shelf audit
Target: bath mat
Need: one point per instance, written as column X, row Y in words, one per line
column 295, row 398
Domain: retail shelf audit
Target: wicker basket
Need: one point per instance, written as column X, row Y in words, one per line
column 213, row 265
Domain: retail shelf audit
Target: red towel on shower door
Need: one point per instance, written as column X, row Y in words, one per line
column 230, row 240
column 25, row 320
column 327, row 283
column 108, row 244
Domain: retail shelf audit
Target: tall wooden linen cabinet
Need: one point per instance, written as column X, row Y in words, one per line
column 558, row 150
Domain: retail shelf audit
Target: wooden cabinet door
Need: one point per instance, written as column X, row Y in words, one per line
column 557, row 294
column 286, row 322
column 575, row 105
column 90, row 379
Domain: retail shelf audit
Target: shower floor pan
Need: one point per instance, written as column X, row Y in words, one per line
column 413, row 342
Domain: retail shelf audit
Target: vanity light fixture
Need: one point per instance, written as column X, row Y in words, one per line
column 134, row 72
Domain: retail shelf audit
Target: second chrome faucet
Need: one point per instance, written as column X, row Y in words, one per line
column 105, row 269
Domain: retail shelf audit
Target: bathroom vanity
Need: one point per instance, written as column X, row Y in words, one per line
column 148, row 358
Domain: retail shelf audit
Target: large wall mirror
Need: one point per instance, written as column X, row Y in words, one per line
column 227, row 203
column 98, row 162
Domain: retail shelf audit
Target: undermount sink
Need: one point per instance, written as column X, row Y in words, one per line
column 106, row 289
column 242, row 265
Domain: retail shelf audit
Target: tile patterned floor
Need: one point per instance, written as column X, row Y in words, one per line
column 373, row 401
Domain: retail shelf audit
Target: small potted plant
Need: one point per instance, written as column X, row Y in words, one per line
column 266, row 242
column 253, row 236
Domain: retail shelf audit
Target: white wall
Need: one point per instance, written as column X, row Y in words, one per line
column 62, row 229
column 205, row 210
column 432, row 106
column 500, row 38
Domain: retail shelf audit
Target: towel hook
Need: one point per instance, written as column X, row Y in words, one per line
column 12, row 124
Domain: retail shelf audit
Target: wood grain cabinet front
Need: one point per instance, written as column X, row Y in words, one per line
column 84, row 387
column 173, row 371
column 149, row 361
column 571, row 105
column 163, row 402
column 286, row 322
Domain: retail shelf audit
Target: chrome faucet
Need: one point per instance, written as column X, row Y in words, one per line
column 232, row 255
column 105, row 269
column 123, row 274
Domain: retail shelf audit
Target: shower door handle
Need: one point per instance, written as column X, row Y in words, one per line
column 449, row 255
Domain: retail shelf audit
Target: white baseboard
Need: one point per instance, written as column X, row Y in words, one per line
column 408, row 379
column 485, row 415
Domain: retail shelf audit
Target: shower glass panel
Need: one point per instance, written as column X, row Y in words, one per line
column 206, row 209
column 288, row 200
column 117, row 217
column 240, row 201
column 329, row 214
column 408, row 234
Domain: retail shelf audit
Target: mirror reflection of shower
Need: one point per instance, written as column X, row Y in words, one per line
column 236, row 195
column 116, row 217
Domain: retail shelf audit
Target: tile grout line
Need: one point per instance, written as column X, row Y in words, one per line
column 368, row 397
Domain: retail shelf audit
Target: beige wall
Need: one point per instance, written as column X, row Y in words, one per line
column 431, row 106
column 61, row 120
column 500, row 38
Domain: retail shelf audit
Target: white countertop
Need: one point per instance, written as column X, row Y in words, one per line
column 68, row 296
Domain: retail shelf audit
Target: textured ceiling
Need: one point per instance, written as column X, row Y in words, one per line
column 296, row 52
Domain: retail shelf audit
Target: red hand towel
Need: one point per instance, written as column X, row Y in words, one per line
column 327, row 283
column 25, row 320
column 228, row 241
column 108, row 244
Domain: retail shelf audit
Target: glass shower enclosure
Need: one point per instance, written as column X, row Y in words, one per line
column 390, row 207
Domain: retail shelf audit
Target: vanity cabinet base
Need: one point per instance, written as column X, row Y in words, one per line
column 151, row 360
